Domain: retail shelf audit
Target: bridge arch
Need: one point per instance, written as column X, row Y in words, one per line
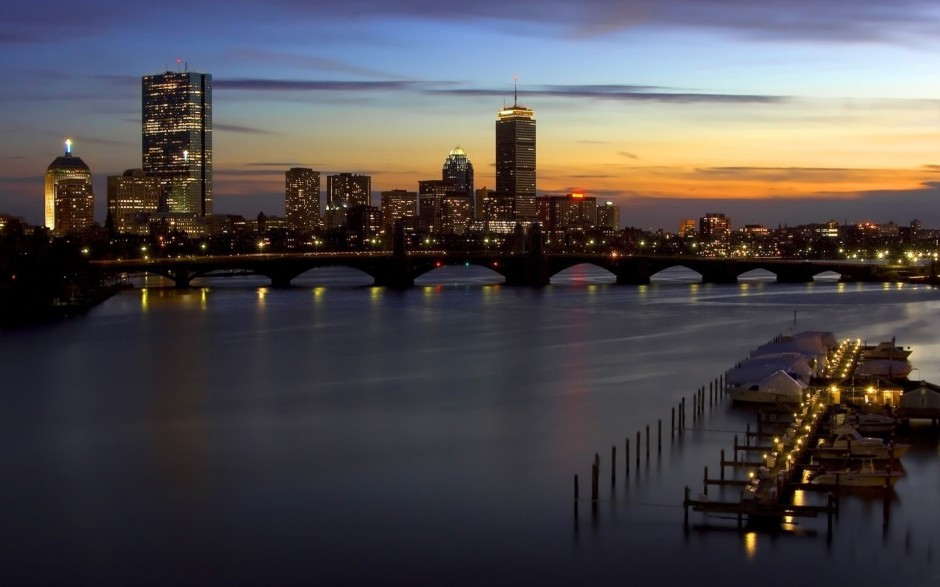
column 584, row 272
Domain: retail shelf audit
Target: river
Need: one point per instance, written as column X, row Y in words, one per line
column 335, row 433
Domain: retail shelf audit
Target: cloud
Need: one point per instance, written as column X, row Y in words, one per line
column 800, row 20
column 241, row 129
column 313, row 62
column 624, row 93
column 627, row 155
column 275, row 85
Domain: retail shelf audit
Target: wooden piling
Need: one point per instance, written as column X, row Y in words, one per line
column 705, row 482
column 594, row 479
column 722, row 467
column 672, row 433
column 626, row 457
column 647, row 443
column 637, row 450
column 613, row 465
column 659, row 437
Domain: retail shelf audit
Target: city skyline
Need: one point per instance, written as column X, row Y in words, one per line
column 777, row 113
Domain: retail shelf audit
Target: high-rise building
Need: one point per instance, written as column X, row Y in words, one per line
column 132, row 198
column 515, row 157
column 714, row 233
column 431, row 194
column 302, row 199
column 74, row 206
column 687, row 228
column 398, row 205
column 458, row 171
column 177, row 139
column 62, row 168
column 608, row 216
column 561, row 214
column 345, row 191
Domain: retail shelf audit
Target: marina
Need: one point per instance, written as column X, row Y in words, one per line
column 821, row 445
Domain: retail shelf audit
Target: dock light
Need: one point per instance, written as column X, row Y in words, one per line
column 751, row 474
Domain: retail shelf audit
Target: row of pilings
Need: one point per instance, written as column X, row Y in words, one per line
column 710, row 396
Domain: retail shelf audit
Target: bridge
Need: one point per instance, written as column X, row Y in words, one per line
column 400, row 270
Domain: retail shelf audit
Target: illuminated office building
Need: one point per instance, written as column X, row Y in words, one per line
column 714, row 233
column 132, row 198
column 608, row 216
column 343, row 192
column 177, row 139
column 515, row 157
column 62, row 168
column 302, row 199
column 458, row 171
column 74, row 206
column 398, row 205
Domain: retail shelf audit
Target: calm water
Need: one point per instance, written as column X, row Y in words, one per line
column 340, row 434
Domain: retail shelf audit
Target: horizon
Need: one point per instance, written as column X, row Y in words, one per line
column 783, row 113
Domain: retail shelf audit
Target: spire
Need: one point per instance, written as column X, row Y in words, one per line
column 68, row 147
column 515, row 90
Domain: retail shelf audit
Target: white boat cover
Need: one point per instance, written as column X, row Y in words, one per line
column 757, row 369
column 885, row 368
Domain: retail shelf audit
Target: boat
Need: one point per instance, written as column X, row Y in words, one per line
column 846, row 439
column 864, row 476
column 890, row 368
column 872, row 423
column 886, row 350
column 777, row 388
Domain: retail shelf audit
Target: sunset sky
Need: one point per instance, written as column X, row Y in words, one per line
column 774, row 112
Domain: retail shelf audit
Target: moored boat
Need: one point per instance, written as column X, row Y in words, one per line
column 864, row 476
column 887, row 350
column 846, row 439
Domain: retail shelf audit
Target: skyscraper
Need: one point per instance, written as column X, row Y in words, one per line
column 177, row 138
column 302, row 198
column 132, row 198
column 515, row 157
column 458, row 171
column 345, row 191
column 64, row 168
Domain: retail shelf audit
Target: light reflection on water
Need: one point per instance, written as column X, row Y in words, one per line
column 434, row 432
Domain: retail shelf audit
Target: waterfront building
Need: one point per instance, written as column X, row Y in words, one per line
column 62, row 168
column 398, row 205
column 74, row 206
column 456, row 213
column 608, row 216
column 345, row 191
column 177, row 139
column 302, row 199
column 364, row 227
column 515, row 157
column 714, row 230
column 132, row 198
column 561, row 215
column 431, row 194
column 687, row 228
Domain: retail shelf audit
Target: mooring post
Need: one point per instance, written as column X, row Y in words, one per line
column 681, row 416
column 637, row 450
column 672, row 433
column 613, row 465
column 659, row 435
column 735, row 460
column 626, row 457
column 722, row 464
column 747, row 436
column 705, row 482
column 685, row 506
column 647, row 443
column 594, row 475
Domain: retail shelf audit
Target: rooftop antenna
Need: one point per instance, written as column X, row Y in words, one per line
column 515, row 90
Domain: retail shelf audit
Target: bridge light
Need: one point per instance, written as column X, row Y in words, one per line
column 495, row 263
column 437, row 263
column 466, row 263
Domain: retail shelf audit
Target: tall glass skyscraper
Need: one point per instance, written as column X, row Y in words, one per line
column 458, row 171
column 515, row 157
column 177, row 139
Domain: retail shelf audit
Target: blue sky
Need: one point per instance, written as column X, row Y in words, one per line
column 786, row 111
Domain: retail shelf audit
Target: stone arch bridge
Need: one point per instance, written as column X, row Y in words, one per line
column 400, row 271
